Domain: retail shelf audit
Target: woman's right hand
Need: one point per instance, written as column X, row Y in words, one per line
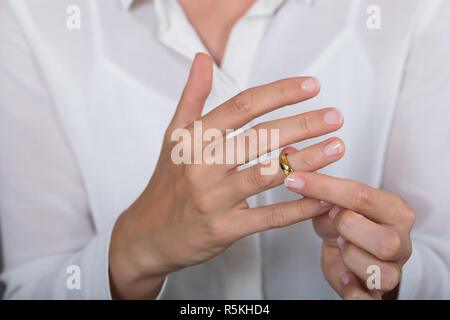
column 189, row 213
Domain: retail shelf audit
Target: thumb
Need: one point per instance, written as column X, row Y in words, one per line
column 195, row 92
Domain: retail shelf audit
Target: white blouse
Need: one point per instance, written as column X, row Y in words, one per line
column 83, row 112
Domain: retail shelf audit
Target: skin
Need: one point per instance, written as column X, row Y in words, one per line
column 190, row 213
column 367, row 226
column 213, row 20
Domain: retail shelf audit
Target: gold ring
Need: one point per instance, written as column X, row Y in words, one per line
column 284, row 164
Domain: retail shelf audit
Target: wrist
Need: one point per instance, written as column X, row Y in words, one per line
column 131, row 274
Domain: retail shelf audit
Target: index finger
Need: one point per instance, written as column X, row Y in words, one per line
column 377, row 205
column 254, row 102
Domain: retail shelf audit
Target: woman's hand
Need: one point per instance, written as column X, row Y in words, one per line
column 367, row 227
column 189, row 213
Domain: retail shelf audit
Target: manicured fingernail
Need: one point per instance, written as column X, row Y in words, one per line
column 340, row 242
column 294, row 182
column 332, row 118
column 345, row 278
column 333, row 212
column 333, row 148
column 310, row 85
column 325, row 204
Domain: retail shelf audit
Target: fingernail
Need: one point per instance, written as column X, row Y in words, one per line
column 294, row 182
column 333, row 148
column 324, row 203
column 332, row 118
column 310, row 85
column 345, row 278
column 333, row 212
column 340, row 242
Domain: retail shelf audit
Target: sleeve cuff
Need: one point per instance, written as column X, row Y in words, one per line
column 94, row 263
column 105, row 240
column 163, row 290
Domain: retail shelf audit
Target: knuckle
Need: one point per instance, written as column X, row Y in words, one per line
column 257, row 179
column 408, row 216
column 203, row 202
column 346, row 253
column 303, row 210
column 390, row 278
column 326, row 261
column 288, row 93
column 344, row 222
column 363, row 197
column 390, row 246
column 213, row 229
column 304, row 122
column 409, row 249
column 406, row 252
column 243, row 102
column 397, row 203
column 276, row 218
column 309, row 160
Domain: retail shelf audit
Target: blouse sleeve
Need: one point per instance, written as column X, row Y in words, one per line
column 46, row 225
column 418, row 159
column 51, row 247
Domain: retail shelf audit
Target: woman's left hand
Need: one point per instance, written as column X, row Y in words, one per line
column 366, row 230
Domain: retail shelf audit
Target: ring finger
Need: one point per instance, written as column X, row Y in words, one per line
column 253, row 180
